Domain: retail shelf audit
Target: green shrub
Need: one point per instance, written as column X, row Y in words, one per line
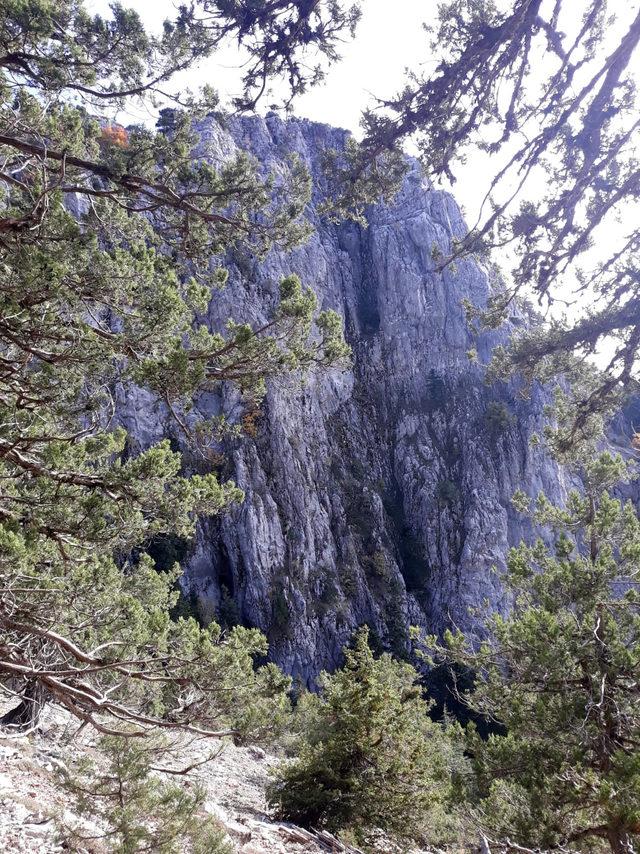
column 166, row 550
column 130, row 810
column 377, row 564
column 497, row 419
column 447, row 492
column 228, row 610
column 436, row 391
column 369, row 759
column 281, row 613
column 329, row 600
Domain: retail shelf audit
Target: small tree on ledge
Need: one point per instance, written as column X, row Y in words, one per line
column 130, row 808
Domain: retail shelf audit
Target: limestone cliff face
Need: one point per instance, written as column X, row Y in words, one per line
column 379, row 495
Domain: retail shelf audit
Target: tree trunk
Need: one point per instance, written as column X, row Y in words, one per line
column 620, row 842
column 26, row 714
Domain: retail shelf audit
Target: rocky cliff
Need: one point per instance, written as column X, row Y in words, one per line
column 379, row 495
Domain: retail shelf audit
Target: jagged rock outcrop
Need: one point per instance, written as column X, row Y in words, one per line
column 379, row 495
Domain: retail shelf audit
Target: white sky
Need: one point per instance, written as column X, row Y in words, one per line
column 373, row 64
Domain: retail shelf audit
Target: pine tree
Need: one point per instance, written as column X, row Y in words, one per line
column 111, row 244
column 562, row 674
column 130, row 808
column 544, row 96
column 369, row 762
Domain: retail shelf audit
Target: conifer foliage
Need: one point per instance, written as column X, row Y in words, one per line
column 370, row 761
column 562, row 674
column 120, row 801
column 108, row 245
column 545, row 96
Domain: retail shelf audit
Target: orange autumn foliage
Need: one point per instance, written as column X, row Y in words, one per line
column 249, row 422
column 115, row 135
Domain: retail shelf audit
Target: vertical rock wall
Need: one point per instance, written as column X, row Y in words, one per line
column 380, row 495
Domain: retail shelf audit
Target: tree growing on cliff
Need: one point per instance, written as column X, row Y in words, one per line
column 546, row 96
column 369, row 762
column 562, row 674
column 109, row 245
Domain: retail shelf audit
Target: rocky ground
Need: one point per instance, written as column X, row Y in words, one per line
column 31, row 801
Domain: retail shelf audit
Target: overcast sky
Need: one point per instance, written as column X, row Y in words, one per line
column 373, row 64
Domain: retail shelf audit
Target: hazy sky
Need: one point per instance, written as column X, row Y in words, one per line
column 373, row 64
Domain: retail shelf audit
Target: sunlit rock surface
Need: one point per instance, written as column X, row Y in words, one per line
column 380, row 495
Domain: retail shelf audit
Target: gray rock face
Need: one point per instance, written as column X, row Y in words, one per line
column 380, row 495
